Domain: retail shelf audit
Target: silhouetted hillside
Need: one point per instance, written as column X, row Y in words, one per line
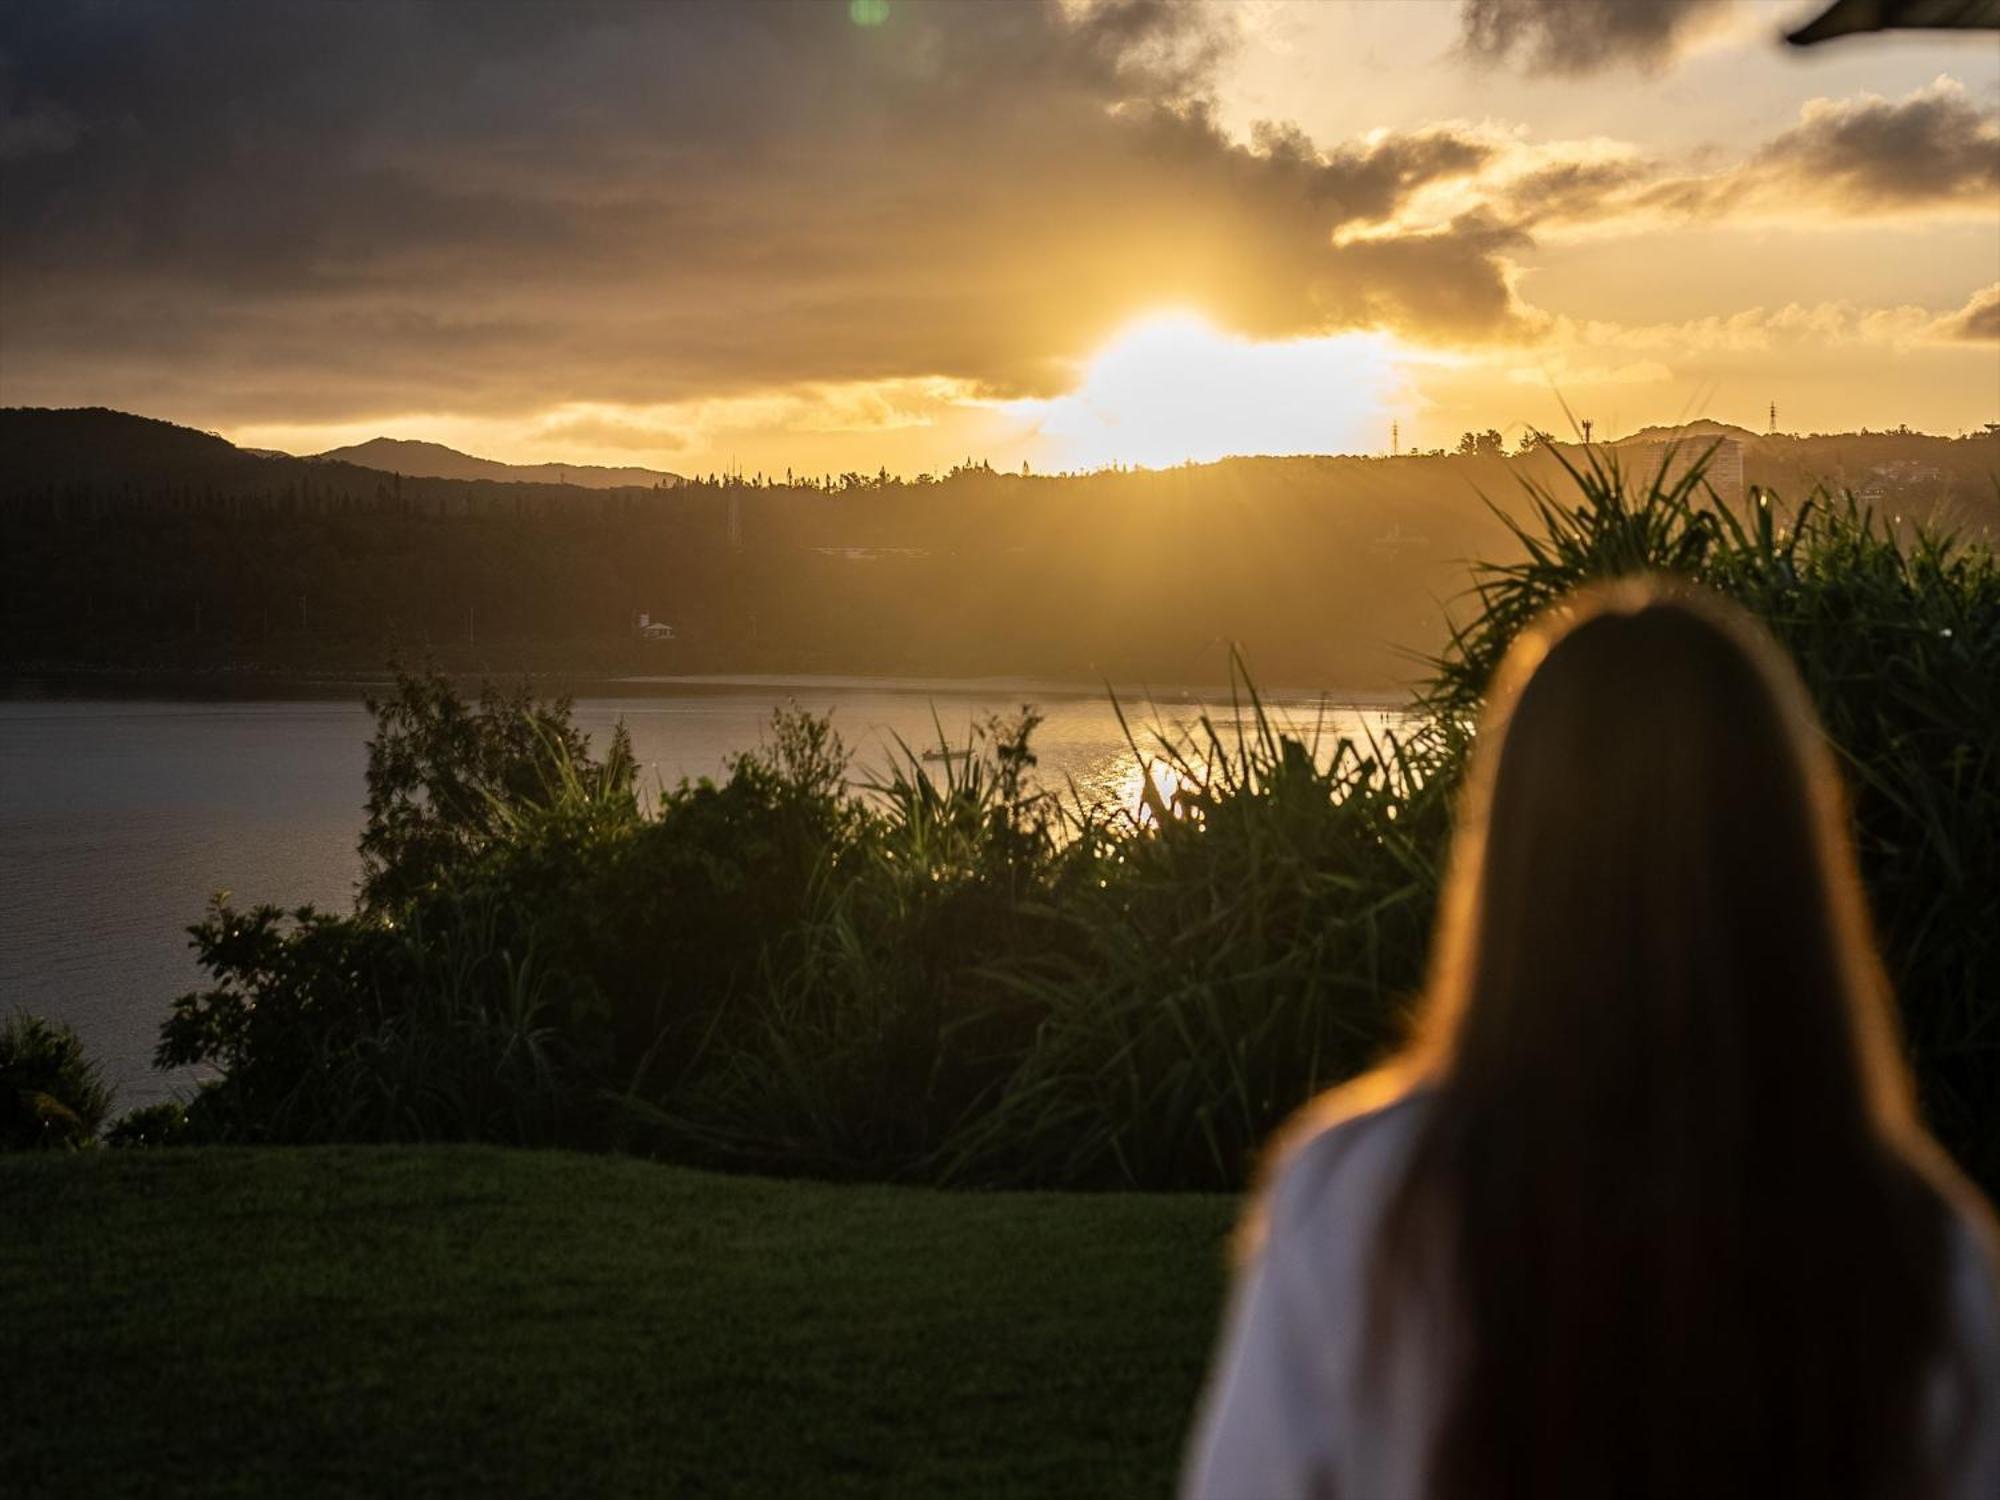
column 133, row 544
column 435, row 461
column 92, row 446
column 101, row 458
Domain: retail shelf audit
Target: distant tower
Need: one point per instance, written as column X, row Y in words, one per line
column 1395, row 439
column 1774, row 417
column 1586, row 429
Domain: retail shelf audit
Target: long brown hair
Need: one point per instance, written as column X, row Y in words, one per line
column 1671, row 1174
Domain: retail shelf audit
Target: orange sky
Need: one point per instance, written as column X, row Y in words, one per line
column 1067, row 233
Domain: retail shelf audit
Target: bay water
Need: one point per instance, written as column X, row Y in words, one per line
column 118, row 820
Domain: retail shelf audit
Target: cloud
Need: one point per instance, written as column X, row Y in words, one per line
column 1573, row 190
column 1978, row 320
column 1934, row 152
column 1933, row 148
column 1593, row 352
column 1454, row 278
column 653, row 217
column 868, row 408
column 589, row 429
column 1585, row 36
column 308, row 210
column 1930, row 146
column 1561, row 371
column 1840, row 359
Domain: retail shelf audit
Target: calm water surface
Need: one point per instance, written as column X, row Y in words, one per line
column 118, row 820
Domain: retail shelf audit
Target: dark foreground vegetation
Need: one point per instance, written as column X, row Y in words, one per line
column 951, row 977
column 454, row 1321
column 51, row 1094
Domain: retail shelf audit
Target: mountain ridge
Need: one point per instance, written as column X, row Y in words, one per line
column 50, row 449
column 419, row 459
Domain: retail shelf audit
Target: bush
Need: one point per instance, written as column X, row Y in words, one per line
column 1896, row 634
column 51, row 1094
column 524, row 962
column 162, row 1124
column 446, row 779
column 881, row 1021
column 948, row 975
column 1245, row 944
column 430, row 1012
column 443, row 1025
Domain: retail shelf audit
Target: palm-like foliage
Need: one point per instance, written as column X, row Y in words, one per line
column 51, row 1094
column 1896, row 632
column 948, row 973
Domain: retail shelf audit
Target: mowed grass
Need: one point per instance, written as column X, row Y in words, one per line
column 474, row 1321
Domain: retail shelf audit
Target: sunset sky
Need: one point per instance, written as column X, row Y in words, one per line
column 833, row 236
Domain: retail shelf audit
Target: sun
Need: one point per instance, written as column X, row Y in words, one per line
column 1173, row 388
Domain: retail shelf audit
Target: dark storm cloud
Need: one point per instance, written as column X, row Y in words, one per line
column 308, row 210
column 1582, row 36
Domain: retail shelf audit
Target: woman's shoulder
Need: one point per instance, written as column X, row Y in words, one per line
column 1337, row 1160
column 1973, row 1277
column 1971, row 1235
column 1964, row 1398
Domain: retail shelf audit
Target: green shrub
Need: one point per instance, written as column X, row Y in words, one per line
column 948, row 975
column 162, row 1124
column 880, row 1023
column 51, row 1094
column 431, row 1011
column 1896, row 633
column 529, row 964
column 447, row 778
column 442, row 1027
column 1250, row 942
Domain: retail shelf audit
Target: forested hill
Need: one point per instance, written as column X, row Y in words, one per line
column 436, row 461
column 137, row 545
column 95, row 449
column 101, row 459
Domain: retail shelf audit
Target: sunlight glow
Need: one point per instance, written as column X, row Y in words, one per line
column 1173, row 388
column 1129, row 796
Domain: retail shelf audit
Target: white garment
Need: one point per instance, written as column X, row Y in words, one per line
column 1287, row 1412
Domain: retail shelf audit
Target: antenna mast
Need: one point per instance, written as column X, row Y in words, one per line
column 1395, row 439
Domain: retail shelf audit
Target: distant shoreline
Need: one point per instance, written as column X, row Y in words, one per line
column 985, row 687
column 127, row 685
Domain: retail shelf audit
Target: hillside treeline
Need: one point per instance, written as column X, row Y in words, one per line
column 135, row 545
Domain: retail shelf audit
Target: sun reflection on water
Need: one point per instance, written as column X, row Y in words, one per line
column 1178, row 755
column 1167, row 784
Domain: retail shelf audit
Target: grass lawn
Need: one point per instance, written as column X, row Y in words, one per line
column 464, row 1320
